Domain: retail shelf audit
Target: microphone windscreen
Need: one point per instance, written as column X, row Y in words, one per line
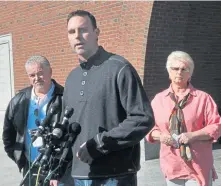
column 75, row 128
column 68, row 112
column 54, row 108
column 57, row 132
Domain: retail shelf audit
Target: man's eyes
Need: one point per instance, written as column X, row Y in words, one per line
column 33, row 75
column 81, row 30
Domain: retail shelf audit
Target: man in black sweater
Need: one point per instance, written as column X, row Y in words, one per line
column 110, row 105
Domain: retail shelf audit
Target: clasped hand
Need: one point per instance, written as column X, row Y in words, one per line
column 184, row 138
column 167, row 139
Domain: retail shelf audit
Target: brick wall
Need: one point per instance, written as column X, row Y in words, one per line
column 193, row 27
column 40, row 28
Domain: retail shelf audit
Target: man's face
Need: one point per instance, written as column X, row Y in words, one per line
column 82, row 36
column 39, row 76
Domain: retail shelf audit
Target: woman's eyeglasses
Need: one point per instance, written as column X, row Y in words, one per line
column 176, row 69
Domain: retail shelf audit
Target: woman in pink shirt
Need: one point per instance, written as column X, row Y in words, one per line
column 186, row 124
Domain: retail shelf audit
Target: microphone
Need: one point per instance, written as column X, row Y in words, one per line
column 46, row 155
column 74, row 130
column 58, row 131
column 53, row 110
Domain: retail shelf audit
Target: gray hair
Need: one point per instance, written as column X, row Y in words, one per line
column 180, row 56
column 43, row 61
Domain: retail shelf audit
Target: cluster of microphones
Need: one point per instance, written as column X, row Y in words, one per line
column 57, row 134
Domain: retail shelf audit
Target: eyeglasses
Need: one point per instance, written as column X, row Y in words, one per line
column 176, row 69
column 37, row 122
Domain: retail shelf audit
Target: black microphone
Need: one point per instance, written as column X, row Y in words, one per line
column 74, row 130
column 53, row 110
column 46, row 155
column 58, row 131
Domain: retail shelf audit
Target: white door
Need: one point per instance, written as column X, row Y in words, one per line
column 6, row 74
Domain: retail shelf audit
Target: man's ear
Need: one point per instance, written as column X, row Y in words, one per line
column 97, row 30
column 50, row 71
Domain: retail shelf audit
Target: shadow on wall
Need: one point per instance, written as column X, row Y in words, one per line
column 193, row 27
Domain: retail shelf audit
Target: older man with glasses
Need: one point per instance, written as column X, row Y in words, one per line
column 27, row 109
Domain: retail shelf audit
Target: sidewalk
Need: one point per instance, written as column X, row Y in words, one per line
column 149, row 175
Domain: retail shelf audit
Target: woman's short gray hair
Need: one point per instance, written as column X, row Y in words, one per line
column 43, row 61
column 180, row 56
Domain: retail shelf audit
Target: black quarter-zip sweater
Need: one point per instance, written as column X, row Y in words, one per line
column 114, row 113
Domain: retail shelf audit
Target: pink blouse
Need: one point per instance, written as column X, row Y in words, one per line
column 200, row 113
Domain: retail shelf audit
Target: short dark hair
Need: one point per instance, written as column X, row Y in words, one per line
column 83, row 13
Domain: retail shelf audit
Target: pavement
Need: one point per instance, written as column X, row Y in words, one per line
column 149, row 175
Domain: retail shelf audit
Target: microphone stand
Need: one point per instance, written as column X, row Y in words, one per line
column 74, row 130
column 65, row 149
column 39, row 160
column 42, row 156
column 32, row 165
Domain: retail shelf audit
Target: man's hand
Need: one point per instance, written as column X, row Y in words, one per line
column 83, row 154
column 54, row 182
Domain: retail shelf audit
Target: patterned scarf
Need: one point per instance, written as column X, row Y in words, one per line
column 177, row 125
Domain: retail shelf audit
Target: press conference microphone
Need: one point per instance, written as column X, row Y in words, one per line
column 74, row 130
column 58, row 131
column 46, row 155
column 53, row 110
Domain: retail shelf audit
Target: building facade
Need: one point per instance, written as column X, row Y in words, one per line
column 144, row 32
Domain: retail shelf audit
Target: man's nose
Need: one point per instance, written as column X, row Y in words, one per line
column 37, row 77
column 77, row 34
column 180, row 71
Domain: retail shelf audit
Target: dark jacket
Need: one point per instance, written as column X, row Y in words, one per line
column 114, row 113
column 15, row 122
